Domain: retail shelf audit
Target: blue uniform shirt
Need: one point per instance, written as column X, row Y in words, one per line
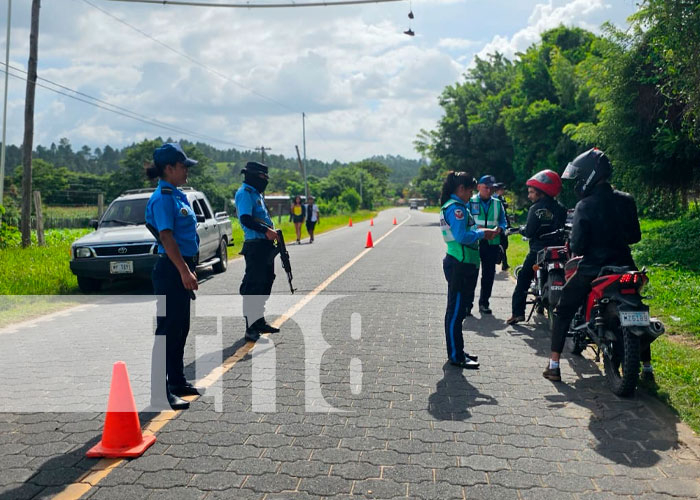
column 458, row 222
column 168, row 208
column 250, row 202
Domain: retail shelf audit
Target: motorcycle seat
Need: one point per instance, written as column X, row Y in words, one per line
column 614, row 270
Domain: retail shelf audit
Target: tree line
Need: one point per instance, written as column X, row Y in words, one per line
column 634, row 94
column 72, row 177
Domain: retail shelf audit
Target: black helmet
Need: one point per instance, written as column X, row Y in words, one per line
column 588, row 169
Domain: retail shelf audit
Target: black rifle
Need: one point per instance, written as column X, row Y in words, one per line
column 282, row 250
column 156, row 235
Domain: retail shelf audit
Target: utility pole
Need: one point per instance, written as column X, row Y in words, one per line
column 4, row 108
column 28, row 142
column 303, row 173
column 262, row 150
column 303, row 131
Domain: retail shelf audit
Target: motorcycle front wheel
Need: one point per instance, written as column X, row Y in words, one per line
column 622, row 363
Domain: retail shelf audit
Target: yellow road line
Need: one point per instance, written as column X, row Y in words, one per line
column 106, row 465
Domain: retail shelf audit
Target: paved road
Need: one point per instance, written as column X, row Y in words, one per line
column 407, row 425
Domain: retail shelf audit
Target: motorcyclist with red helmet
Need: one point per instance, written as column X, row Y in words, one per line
column 605, row 225
column 545, row 216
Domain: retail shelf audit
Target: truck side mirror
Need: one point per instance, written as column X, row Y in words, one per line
column 201, row 218
column 94, row 223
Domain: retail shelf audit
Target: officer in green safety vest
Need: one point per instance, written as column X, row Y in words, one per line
column 488, row 213
column 461, row 264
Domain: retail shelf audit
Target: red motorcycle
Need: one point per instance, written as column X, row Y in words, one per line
column 615, row 322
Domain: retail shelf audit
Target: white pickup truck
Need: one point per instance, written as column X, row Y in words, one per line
column 122, row 247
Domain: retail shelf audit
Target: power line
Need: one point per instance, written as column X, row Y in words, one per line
column 258, row 5
column 118, row 110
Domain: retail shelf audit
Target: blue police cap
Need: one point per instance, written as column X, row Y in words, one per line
column 253, row 167
column 170, row 153
column 488, row 180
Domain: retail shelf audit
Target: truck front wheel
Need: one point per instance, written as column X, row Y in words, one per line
column 88, row 285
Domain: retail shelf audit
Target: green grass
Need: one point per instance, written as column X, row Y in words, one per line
column 71, row 212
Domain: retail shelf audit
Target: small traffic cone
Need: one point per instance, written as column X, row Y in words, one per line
column 121, row 436
column 394, row 220
column 369, row 243
column 371, row 222
column 350, row 223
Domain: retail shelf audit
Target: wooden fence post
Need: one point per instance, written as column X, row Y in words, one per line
column 39, row 219
column 100, row 204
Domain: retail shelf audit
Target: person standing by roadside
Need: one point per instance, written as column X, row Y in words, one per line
column 461, row 264
column 500, row 193
column 258, row 249
column 169, row 212
column 489, row 214
column 313, row 217
column 297, row 214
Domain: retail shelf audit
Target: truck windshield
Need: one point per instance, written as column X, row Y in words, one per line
column 125, row 213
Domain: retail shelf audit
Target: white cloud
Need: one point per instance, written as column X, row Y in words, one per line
column 458, row 43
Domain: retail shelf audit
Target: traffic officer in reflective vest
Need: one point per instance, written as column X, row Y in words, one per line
column 169, row 212
column 258, row 249
column 488, row 213
column 461, row 264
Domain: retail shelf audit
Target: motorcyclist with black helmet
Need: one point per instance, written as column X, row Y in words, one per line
column 605, row 224
column 546, row 215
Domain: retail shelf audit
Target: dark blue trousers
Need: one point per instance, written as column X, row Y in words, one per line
column 461, row 281
column 173, row 323
column 489, row 255
column 523, row 285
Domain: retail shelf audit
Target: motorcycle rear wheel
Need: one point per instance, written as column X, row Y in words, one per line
column 622, row 367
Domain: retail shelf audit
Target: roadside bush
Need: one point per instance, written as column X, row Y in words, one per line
column 672, row 243
column 327, row 207
column 351, row 198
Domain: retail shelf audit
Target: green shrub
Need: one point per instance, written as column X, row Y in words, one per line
column 670, row 243
column 351, row 198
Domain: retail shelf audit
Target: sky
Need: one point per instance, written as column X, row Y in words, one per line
column 242, row 78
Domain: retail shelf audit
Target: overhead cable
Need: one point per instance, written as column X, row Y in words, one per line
column 257, row 5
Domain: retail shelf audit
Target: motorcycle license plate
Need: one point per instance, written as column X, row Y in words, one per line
column 124, row 267
column 634, row 318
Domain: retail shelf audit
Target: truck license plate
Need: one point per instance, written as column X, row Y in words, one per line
column 634, row 318
column 123, row 267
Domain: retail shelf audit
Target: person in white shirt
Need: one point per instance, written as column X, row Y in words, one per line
column 313, row 216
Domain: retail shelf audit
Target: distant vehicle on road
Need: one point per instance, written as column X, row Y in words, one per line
column 123, row 248
column 414, row 203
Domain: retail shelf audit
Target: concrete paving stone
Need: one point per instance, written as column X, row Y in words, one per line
column 222, row 438
column 18, row 461
column 38, row 427
column 203, row 464
column 677, row 487
column 19, row 491
column 255, row 428
column 389, row 433
column 433, row 436
column 325, row 486
column 506, row 451
column 461, row 476
column 48, row 449
column 434, row 460
column 300, row 429
column 190, row 450
column 453, row 426
column 411, row 446
column 639, row 472
column 379, row 488
column 515, row 479
column 484, row 463
column 567, row 444
column 542, row 494
column 479, row 438
column 178, row 494
column 122, row 492
column 154, row 463
column 621, row 485
column 237, row 451
column 317, row 442
column 383, row 457
column 608, row 495
column 121, row 476
column 283, row 418
column 296, row 495
column 342, row 431
column 271, row 483
column 178, row 437
column 363, row 444
column 522, row 441
column 457, row 449
column 356, row 470
column 435, row 491
column 541, row 431
column 269, row 441
column 305, row 469
column 489, row 492
column 288, row 453
column 534, row 465
column 164, row 479
column 15, row 475
column 568, row 482
column 82, row 426
column 370, row 422
column 44, row 437
column 217, row 481
column 407, row 474
column 253, row 466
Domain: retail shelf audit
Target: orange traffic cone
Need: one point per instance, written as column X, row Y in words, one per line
column 369, row 243
column 371, row 222
column 394, row 220
column 121, row 436
column 350, row 223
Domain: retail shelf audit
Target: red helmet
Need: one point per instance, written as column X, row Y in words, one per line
column 547, row 181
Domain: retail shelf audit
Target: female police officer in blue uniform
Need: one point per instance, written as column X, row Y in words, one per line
column 461, row 264
column 169, row 212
